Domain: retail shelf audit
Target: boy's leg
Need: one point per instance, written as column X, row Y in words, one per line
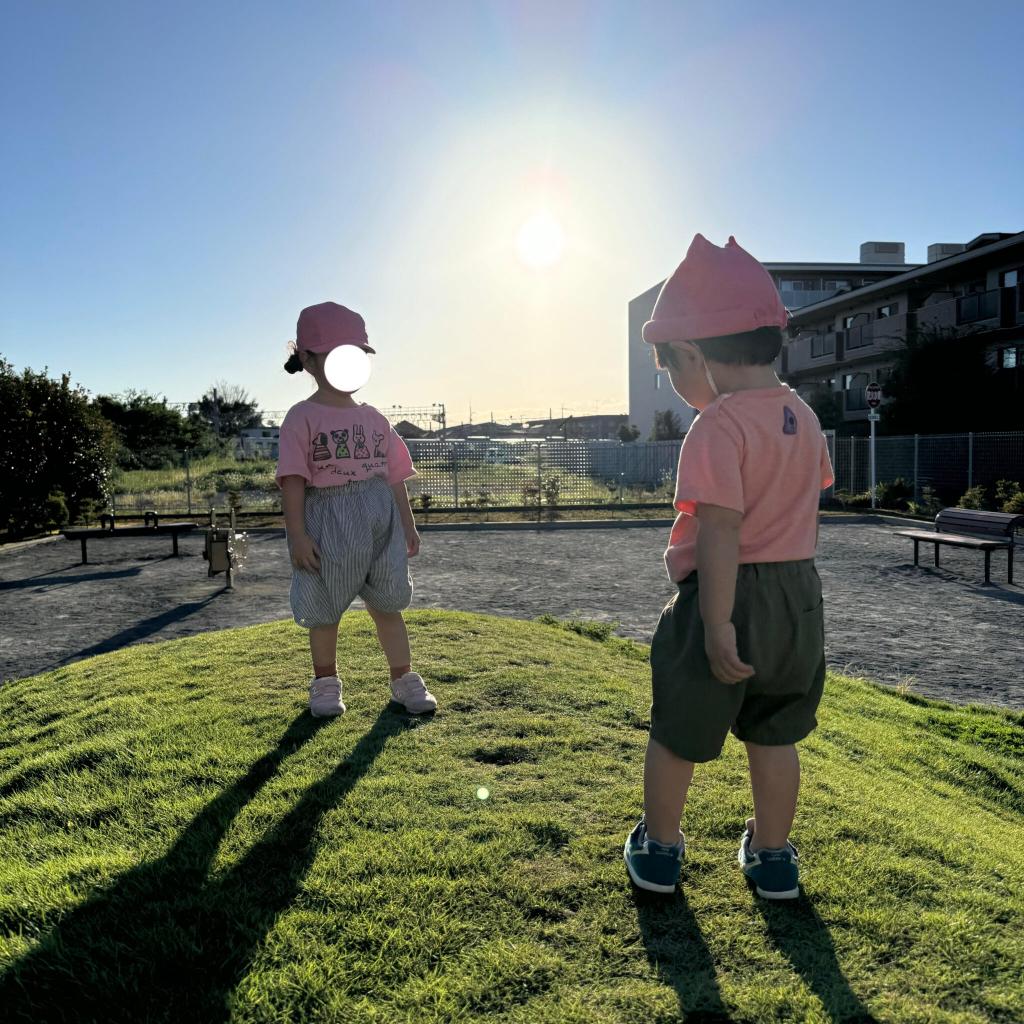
column 666, row 781
column 394, row 640
column 775, row 781
column 323, row 646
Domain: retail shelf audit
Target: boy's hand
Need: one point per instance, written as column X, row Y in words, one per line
column 720, row 644
column 305, row 554
column 412, row 542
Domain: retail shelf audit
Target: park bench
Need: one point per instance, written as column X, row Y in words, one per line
column 108, row 528
column 969, row 528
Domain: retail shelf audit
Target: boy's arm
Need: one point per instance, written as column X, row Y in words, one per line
column 412, row 537
column 718, row 547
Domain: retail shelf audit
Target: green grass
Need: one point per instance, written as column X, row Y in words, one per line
column 179, row 841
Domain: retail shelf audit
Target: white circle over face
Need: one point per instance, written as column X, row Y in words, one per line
column 540, row 241
column 347, row 368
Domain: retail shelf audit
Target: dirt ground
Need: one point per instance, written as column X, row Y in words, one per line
column 938, row 631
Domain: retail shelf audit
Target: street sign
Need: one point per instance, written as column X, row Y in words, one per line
column 874, row 417
column 873, row 393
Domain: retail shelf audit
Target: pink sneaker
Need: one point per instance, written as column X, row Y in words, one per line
column 325, row 697
column 411, row 692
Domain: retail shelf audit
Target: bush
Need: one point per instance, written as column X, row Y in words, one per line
column 928, row 506
column 55, row 449
column 975, row 498
column 1015, row 506
column 552, row 490
column 1006, row 491
column 56, row 510
column 894, row 495
column 849, row 500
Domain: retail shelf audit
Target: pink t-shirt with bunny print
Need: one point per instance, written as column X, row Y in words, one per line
column 328, row 446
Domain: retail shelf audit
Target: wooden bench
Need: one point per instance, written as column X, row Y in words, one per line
column 152, row 528
column 968, row 528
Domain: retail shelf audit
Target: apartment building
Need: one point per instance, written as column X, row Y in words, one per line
column 800, row 284
column 843, row 342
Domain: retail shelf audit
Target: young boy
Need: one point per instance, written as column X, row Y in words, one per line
column 741, row 645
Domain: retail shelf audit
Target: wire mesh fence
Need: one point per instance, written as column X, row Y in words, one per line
column 452, row 474
column 534, row 474
column 949, row 464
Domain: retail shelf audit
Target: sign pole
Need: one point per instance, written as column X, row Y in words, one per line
column 871, row 458
column 873, row 393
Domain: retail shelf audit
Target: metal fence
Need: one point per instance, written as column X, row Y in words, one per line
column 482, row 474
column 947, row 463
column 452, row 474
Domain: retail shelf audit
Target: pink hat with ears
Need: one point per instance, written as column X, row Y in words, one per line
column 715, row 291
column 328, row 325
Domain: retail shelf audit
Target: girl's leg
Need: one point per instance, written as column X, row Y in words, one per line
column 323, row 645
column 775, row 780
column 666, row 781
column 394, row 640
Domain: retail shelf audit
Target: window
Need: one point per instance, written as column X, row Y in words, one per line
column 1011, row 278
column 1008, row 358
column 856, row 387
column 889, row 310
column 848, row 321
column 834, row 286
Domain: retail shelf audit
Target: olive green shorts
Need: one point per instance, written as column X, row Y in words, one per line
column 780, row 631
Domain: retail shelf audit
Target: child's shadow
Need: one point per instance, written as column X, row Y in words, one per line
column 165, row 942
column 676, row 949
column 798, row 932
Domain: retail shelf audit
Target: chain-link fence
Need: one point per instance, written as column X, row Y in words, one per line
column 947, row 463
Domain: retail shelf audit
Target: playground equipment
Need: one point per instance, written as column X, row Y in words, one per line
column 225, row 549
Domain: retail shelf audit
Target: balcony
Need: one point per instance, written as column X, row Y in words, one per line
column 813, row 351
column 978, row 307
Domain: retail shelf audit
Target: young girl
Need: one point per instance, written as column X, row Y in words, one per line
column 342, row 470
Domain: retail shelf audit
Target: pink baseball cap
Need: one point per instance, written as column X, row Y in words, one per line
column 715, row 291
column 328, row 325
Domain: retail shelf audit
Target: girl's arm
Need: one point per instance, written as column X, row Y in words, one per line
column 293, row 501
column 412, row 537
column 718, row 548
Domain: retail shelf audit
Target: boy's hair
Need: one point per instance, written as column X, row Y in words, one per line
column 759, row 347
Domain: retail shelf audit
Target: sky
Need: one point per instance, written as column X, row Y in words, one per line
column 179, row 180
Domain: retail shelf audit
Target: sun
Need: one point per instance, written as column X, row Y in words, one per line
column 540, row 241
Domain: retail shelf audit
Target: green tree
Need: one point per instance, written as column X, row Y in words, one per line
column 628, row 432
column 56, row 450
column 152, row 434
column 943, row 382
column 227, row 409
column 827, row 405
column 667, row 426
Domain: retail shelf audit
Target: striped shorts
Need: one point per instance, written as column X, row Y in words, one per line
column 358, row 532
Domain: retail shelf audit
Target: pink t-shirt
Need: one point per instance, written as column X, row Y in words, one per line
column 762, row 453
column 328, row 446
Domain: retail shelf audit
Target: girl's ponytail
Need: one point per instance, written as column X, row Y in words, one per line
column 294, row 364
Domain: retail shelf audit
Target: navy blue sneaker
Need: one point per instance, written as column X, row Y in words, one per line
column 653, row 866
column 775, row 873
